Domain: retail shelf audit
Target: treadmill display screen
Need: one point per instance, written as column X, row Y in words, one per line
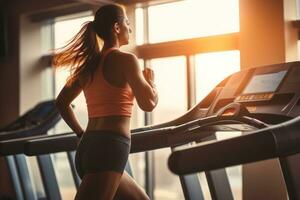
column 263, row 83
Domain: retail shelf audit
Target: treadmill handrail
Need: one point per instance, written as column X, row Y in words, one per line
column 144, row 140
column 16, row 146
column 275, row 141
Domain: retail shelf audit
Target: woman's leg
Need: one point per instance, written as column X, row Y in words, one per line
column 98, row 186
column 129, row 189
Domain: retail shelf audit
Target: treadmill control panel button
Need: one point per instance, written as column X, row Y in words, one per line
column 254, row 97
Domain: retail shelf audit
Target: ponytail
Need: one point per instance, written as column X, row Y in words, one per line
column 80, row 55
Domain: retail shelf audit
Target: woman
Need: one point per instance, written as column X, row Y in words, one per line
column 110, row 79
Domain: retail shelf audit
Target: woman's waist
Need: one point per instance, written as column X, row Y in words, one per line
column 118, row 124
column 109, row 111
column 104, row 137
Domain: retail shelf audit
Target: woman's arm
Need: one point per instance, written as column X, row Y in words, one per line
column 149, row 77
column 63, row 101
column 141, row 83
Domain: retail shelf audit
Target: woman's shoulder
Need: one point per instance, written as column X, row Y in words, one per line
column 125, row 58
column 124, row 55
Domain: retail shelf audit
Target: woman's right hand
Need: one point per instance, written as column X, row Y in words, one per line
column 149, row 75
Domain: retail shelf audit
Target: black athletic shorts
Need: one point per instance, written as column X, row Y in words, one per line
column 101, row 151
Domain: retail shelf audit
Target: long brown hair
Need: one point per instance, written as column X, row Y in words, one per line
column 81, row 54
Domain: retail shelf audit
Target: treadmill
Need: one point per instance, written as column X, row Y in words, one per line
column 180, row 131
column 39, row 119
column 268, row 95
column 36, row 121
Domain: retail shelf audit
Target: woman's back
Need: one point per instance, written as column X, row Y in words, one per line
column 109, row 97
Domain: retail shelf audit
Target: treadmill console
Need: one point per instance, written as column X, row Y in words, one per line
column 261, row 87
column 269, row 92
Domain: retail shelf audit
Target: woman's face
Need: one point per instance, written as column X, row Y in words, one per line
column 124, row 31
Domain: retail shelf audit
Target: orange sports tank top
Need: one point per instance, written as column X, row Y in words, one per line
column 104, row 99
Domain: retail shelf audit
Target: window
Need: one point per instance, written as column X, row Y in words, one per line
column 170, row 78
column 191, row 19
column 212, row 68
column 297, row 9
column 139, row 26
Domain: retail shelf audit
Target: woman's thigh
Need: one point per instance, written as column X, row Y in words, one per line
column 99, row 186
column 129, row 189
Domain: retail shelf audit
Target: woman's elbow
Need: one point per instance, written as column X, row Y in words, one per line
column 60, row 104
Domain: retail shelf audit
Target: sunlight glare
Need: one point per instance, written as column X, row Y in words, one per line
column 211, row 68
column 192, row 19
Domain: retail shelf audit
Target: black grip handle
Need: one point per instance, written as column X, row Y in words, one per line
column 259, row 145
column 52, row 144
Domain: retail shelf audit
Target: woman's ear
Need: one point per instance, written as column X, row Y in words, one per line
column 117, row 27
